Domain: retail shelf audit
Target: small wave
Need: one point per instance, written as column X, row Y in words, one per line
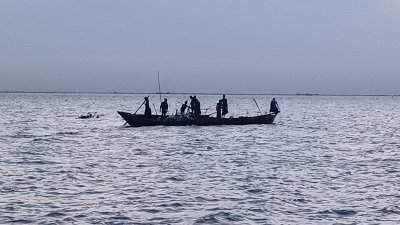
column 120, row 217
column 187, row 153
column 174, row 205
column 257, row 210
column 151, row 210
column 106, row 213
column 30, row 152
column 301, row 200
column 255, row 191
column 69, row 219
column 218, row 218
column 387, row 210
column 41, row 139
column 209, row 219
column 341, row 212
column 10, row 208
column 344, row 212
column 20, row 136
column 204, row 199
column 176, row 178
column 9, row 189
column 136, row 198
column 92, row 192
column 80, row 216
column 18, row 221
column 68, row 133
column 140, row 152
column 37, row 162
column 56, row 214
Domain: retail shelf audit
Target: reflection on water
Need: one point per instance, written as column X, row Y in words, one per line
column 326, row 160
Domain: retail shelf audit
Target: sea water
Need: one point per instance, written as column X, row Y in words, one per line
column 326, row 160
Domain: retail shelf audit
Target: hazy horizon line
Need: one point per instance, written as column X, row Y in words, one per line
column 185, row 93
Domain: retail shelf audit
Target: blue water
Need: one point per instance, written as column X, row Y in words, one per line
column 326, row 160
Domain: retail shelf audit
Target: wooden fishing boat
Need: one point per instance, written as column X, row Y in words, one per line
column 184, row 120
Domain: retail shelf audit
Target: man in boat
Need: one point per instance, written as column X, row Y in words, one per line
column 164, row 108
column 184, row 107
column 192, row 104
column 219, row 108
column 224, row 105
column 274, row 107
column 196, row 106
column 147, row 110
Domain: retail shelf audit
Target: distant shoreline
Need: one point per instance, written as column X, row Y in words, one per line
column 185, row 93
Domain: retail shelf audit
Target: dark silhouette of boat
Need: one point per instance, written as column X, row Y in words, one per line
column 184, row 120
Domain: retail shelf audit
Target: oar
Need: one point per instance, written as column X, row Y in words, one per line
column 277, row 106
column 141, row 105
column 257, row 105
column 211, row 114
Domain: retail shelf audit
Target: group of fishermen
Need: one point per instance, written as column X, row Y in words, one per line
column 195, row 109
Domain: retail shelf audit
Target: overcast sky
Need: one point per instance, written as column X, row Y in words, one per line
column 246, row 46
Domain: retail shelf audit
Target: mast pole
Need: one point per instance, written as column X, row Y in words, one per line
column 159, row 86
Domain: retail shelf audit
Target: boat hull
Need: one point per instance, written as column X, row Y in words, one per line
column 141, row 120
column 212, row 121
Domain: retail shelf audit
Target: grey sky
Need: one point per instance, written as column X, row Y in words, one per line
column 247, row 46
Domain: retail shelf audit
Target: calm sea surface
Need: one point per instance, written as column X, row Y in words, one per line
column 326, row 160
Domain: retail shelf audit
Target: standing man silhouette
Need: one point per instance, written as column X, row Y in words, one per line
column 147, row 110
column 224, row 105
column 164, row 108
column 274, row 107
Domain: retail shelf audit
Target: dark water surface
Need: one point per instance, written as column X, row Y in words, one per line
column 326, row 160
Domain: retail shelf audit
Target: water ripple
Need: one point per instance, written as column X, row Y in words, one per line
column 327, row 160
